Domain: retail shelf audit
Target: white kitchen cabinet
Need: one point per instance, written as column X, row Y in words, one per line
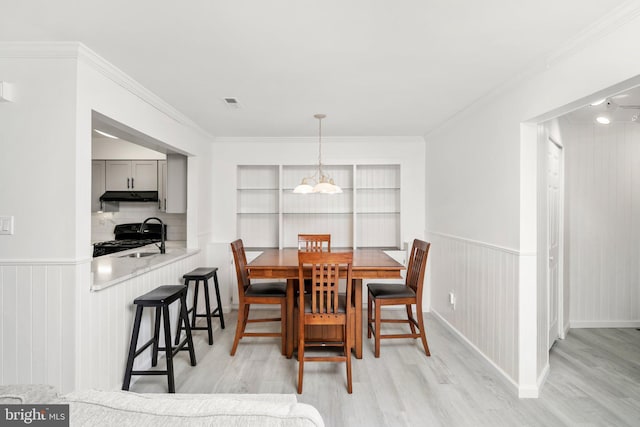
column 98, row 183
column 136, row 175
column 162, row 185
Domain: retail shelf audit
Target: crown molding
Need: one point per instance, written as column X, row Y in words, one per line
column 80, row 52
column 314, row 139
column 607, row 24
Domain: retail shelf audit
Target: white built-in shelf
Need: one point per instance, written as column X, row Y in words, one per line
column 366, row 214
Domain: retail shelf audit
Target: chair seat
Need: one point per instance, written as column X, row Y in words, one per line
column 390, row 290
column 342, row 303
column 266, row 290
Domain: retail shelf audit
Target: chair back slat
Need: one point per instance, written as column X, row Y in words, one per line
column 417, row 265
column 242, row 273
column 326, row 269
column 314, row 242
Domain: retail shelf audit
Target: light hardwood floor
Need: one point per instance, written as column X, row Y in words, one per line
column 594, row 381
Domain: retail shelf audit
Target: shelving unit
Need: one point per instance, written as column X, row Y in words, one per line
column 366, row 214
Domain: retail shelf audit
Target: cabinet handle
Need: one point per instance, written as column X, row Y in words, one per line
column 159, row 204
column 165, row 204
column 132, row 186
column 128, row 183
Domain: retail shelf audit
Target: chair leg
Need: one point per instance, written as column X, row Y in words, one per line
column 239, row 328
column 300, row 355
column 423, row 334
column 347, row 350
column 369, row 312
column 195, row 302
column 409, row 317
column 220, row 313
column 167, row 348
column 283, row 325
column 185, row 317
column 377, row 331
column 207, row 305
column 132, row 348
column 156, row 338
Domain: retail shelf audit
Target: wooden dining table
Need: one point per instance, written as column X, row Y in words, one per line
column 367, row 264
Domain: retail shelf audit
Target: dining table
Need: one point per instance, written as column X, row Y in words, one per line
column 368, row 263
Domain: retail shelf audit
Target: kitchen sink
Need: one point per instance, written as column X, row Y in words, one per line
column 139, row 254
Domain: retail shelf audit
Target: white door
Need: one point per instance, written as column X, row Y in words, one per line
column 554, row 203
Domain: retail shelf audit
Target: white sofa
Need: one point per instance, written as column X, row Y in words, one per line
column 121, row 408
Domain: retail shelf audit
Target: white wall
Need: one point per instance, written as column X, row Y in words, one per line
column 46, row 138
column 118, row 149
column 482, row 184
column 603, row 189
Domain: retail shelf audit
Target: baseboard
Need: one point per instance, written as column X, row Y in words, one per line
column 506, row 379
column 605, row 324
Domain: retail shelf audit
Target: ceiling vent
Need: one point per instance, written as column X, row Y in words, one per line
column 232, row 102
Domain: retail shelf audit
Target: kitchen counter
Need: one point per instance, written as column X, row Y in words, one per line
column 112, row 269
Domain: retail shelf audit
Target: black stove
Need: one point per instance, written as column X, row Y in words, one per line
column 127, row 236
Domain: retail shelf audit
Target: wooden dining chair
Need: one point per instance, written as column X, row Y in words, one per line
column 257, row 293
column 314, row 242
column 323, row 305
column 382, row 294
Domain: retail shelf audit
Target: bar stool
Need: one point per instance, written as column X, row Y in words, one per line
column 160, row 298
column 202, row 275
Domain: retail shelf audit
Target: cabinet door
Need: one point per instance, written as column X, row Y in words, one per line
column 98, row 184
column 144, row 175
column 162, row 185
column 118, row 175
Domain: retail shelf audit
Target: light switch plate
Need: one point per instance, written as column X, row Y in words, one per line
column 6, row 225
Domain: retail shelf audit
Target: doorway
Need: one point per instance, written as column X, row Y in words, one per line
column 555, row 215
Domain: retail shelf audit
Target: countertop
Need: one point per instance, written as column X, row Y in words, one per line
column 111, row 269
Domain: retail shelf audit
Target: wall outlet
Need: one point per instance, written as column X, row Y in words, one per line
column 452, row 299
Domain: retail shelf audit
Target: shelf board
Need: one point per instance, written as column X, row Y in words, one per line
column 376, row 188
column 257, row 189
column 382, row 212
column 257, row 213
column 318, row 213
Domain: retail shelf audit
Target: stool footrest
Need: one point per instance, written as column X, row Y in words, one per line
column 149, row 372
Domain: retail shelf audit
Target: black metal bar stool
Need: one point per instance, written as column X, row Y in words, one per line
column 160, row 298
column 202, row 275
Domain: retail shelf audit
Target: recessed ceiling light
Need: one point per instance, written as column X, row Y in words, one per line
column 598, row 102
column 108, row 135
column 603, row 120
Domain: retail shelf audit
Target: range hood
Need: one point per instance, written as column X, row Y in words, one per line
column 129, row 196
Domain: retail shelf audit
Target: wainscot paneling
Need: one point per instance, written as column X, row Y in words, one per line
column 484, row 280
column 603, row 216
column 37, row 327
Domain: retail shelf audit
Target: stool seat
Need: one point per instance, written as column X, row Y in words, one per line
column 160, row 296
column 201, row 273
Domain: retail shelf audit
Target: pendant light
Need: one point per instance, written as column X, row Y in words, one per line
column 323, row 183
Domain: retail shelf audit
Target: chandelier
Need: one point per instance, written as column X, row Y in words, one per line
column 323, row 183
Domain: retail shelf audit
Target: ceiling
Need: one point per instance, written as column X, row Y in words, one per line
column 374, row 67
column 616, row 111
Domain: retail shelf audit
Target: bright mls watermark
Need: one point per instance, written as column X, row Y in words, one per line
column 34, row 415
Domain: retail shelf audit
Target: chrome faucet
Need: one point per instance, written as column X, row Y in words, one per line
column 141, row 230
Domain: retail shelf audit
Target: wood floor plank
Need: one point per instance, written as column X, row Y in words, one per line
column 594, row 381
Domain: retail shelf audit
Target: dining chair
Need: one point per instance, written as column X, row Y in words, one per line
column 323, row 305
column 383, row 294
column 314, row 242
column 256, row 293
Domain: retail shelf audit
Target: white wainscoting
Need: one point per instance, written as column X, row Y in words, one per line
column 37, row 325
column 54, row 330
column 484, row 279
column 603, row 215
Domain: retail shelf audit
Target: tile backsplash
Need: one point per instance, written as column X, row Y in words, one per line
column 102, row 224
